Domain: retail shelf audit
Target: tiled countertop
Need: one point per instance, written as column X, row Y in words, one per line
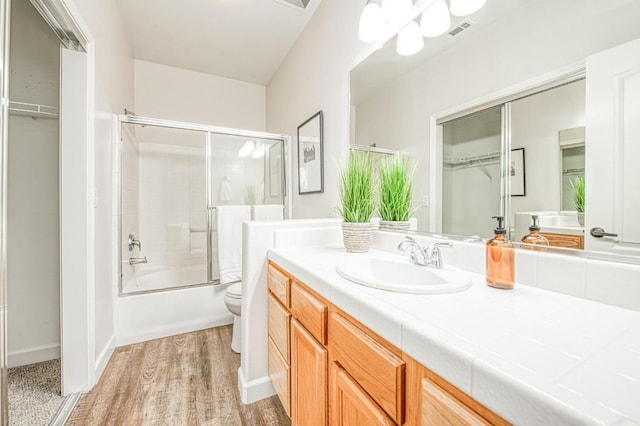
column 531, row 355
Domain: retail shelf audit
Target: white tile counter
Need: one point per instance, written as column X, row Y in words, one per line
column 531, row 355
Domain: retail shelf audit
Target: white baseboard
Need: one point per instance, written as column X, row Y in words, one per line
column 33, row 355
column 254, row 390
column 104, row 357
column 172, row 329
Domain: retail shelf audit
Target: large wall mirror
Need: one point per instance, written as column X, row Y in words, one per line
column 514, row 129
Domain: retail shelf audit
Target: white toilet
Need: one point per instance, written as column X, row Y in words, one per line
column 233, row 300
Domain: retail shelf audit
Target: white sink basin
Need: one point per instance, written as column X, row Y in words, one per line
column 402, row 276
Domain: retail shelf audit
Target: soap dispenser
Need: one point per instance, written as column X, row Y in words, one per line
column 534, row 239
column 500, row 259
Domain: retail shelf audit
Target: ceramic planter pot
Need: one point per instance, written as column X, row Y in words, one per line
column 581, row 218
column 357, row 237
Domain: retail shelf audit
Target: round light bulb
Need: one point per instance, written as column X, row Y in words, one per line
column 372, row 24
column 465, row 7
column 410, row 39
column 396, row 11
column 435, row 19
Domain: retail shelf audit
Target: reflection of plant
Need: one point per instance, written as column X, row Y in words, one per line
column 578, row 186
column 357, row 188
column 396, row 182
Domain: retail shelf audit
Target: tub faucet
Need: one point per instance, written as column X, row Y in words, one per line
column 137, row 260
column 421, row 255
column 133, row 242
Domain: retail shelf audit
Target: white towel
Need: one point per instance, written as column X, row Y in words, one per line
column 229, row 221
column 268, row 212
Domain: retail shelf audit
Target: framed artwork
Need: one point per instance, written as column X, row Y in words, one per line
column 310, row 156
column 275, row 170
column 517, row 173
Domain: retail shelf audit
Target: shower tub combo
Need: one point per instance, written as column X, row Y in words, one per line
column 171, row 178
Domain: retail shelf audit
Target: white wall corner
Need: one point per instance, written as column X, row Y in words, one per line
column 103, row 358
column 255, row 390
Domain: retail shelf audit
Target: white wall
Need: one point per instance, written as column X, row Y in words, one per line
column 535, row 123
column 33, row 257
column 542, row 36
column 182, row 95
column 315, row 76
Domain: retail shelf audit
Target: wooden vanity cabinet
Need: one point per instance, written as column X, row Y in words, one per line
column 565, row 240
column 328, row 368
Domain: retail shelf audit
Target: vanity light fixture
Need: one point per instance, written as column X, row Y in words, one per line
column 435, row 20
column 372, row 23
column 382, row 18
column 410, row 40
column 465, row 7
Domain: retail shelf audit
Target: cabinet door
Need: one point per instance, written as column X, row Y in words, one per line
column 308, row 378
column 350, row 404
column 440, row 408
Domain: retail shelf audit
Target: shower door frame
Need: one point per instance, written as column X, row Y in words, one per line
column 129, row 118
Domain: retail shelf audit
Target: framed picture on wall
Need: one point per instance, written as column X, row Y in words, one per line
column 310, row 156
column 517, row 173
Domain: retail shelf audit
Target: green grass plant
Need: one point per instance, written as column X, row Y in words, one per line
column 357, row 187
column 578, row 188
column 396, row 186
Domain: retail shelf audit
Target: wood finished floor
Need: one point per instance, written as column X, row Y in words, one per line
column 189, row 379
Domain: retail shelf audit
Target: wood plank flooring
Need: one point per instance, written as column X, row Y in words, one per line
column 188, row 379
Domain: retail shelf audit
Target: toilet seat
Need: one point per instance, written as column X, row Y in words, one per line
column 234, row 291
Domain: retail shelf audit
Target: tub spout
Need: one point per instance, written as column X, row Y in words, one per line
column 137, row 260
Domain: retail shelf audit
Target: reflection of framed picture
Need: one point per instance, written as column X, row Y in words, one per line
column 275, row 170
column 310, row 158
column 517, row 173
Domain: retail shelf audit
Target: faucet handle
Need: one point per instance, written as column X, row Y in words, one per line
column 436, row 256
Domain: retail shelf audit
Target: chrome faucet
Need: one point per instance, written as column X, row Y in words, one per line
column 133, row 242
column 421, row 255
column 137, row 260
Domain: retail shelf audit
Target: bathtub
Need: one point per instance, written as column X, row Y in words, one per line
column 167, row 278
column 154, row 314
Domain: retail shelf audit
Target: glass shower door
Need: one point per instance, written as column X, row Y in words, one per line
column 163, row 207
column 244, row 170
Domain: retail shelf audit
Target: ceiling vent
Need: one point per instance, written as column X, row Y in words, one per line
column 465, row 25
column 298, row 4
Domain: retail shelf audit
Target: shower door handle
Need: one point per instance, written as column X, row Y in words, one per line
column 209, row 244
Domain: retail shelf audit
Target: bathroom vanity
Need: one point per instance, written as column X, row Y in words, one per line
column 344, row 353
column 325, row 364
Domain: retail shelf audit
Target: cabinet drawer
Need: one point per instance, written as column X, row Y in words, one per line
column 279, row 283
column 279, row 320
column 378, row 371
column 565, row 240
column 279, row 373
column 310, row 311
column 441, row 408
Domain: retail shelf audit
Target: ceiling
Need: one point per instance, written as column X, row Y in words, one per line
column 244, row 40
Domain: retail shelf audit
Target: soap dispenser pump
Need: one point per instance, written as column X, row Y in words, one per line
column 535, row 240
column 500, row 259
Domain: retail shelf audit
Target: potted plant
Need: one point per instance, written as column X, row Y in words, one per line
column 396, row 184
column 358, row 197
column 577, row 187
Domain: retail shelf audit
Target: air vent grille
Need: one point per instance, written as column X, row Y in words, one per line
column 460, row 28
column 300, row 4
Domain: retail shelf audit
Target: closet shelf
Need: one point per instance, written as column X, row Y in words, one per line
column 374, row 149
column 33, row 110
column 459, row 161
